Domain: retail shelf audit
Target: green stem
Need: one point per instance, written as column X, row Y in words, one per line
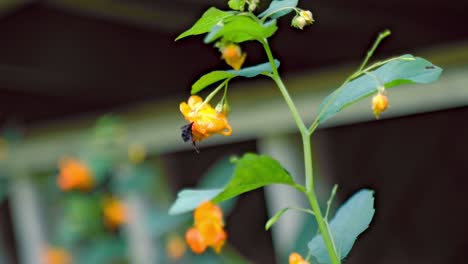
column 381, row 36
column 330, row 200
column 305, row 134
column 292, row 107
column 214, row 92
column 309, row 172
column 326, row 234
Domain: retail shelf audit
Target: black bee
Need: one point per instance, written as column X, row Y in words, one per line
column 430, row 67
column 187, row 135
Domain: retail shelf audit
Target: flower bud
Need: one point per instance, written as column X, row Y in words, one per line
column 223, row 108
column 307, row 15
column 295, row 258
column 253, row 5
column 379, row 104
column 302, row 19
column 233, row 55
column 298, row 22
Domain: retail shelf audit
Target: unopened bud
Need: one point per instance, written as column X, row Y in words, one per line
column 302, row 19
column 253, row 5
column 223, row 108
column 379, row 104
column 307, row 15
column 233, row 56
column 298, row 22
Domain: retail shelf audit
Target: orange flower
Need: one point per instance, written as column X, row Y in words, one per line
column 208, row 211
column 195, row 240
column 204, row 120
column 295, row 258
column 379, row 104
column 175, row 247
column 74, row 175
column 233, row 56
column 115, row 213
column 208, row 229
column 56, row 255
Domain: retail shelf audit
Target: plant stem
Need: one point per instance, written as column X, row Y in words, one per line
column 292, row 107
column 309, row 172
column 381, row 36
column 305, row 134
column 324, row 230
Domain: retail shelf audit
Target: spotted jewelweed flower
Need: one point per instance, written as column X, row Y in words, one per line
column 74, row 175
column 203, row 119
column 295, row 258
column 379, row 103
column 208, row 229
column 233, row 55
column 56, row 255
column 175, row 247
column 115, row 212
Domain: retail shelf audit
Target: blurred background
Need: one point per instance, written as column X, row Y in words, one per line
column 92, row 87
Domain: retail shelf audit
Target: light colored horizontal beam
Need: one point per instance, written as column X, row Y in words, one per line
column 257, row 110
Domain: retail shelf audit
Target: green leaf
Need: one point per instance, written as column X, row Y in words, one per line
column 279, row 8
column 216, row 76
column 189, row 199
column 241, row 28
column 275, row 218
column 218, row 175
column 253, row 71
column 236, row 4
column 403, row 70
column 351, row 219
column 210, row 18
column 210, row 78
column 252, row 172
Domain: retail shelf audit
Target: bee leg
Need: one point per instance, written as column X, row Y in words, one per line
column 195, row 146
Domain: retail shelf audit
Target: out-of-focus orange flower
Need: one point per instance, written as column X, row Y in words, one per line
column 295, row 258
column 56, row 255
column 195, row 240
column 208, row 211
column 175, row 248
column 379, row 104
column 208, row 229
column 74, row 175
column 233, row 56
column 204, row 119
column 115, row 213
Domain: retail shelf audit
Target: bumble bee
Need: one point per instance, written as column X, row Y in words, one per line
column 187, row 135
